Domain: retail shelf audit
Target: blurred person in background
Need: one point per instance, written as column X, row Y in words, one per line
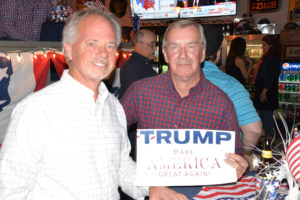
column 266, row 82
column 138, row 65
column 248, row 119
column 237, row 64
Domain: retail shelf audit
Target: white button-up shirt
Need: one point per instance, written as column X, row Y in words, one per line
column 61, row 144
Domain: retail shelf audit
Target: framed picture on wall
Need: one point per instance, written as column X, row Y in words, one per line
column 294, row 10
column 291, row 51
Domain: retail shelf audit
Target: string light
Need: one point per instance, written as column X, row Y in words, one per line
column 19, row 57
column 7, row 56
column 34, row 55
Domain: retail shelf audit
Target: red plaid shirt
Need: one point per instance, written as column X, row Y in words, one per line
column 154, row 103
column 23, row 19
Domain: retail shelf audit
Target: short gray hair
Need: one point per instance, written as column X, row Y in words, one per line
column 183, row 24
column 139, row 35
column 70, row 28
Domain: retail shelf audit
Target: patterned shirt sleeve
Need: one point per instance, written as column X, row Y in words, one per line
column 129, row 101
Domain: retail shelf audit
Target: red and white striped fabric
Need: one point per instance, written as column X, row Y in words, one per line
column 293, row 158
column 243, row 189
column 21, row 75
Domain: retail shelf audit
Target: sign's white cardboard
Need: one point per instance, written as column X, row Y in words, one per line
column 181, row 157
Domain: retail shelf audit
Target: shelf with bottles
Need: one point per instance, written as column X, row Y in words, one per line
column 289, row 76
column 290, row 82
column 289, row 103
column 291, row 89
column 285, row 92
column 289, row 98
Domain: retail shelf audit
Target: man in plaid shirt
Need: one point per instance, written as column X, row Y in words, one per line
column 183, row 98
column 23, row 19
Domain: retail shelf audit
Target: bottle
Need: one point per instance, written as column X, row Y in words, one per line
column 266, row 154
column 265, row 179
column 284, row 76
column 266, row 158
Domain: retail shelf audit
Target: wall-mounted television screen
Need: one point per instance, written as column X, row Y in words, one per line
column 168, row 9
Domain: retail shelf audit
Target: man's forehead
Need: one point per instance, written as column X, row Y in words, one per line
column 150, row 36
column 186, row 41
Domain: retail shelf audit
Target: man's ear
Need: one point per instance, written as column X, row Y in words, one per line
column 218, row 54
column 68, row 50
column 165, row 54
column 203, row 54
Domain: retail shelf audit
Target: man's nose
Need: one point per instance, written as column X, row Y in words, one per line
column 102, row 51
column 183, row 52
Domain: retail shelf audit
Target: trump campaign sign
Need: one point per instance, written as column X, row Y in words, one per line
column 179, row 157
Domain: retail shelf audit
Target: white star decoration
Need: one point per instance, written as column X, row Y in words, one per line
column 270, row 188
column 3, row 73
column 256, row 162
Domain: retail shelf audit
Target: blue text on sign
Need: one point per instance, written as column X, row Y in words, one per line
column 194, row 136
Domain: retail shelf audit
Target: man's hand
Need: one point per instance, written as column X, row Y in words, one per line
column 164, row 193
column 238, row 162
column 263, row 95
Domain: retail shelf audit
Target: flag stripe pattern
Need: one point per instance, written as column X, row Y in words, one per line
column 244, row 189
column 293, row 158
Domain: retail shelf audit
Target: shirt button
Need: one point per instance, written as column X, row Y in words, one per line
column 175, row 125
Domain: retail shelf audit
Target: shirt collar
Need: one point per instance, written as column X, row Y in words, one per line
column 81, row 91
column 193, row 91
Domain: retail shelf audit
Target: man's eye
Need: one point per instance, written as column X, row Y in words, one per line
column 173, row 46
column 191, row 46
column 91, row 44
column 111, row 46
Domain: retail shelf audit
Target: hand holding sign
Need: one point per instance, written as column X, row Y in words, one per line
column 237, row 162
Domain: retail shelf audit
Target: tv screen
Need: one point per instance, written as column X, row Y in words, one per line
column 168, row 9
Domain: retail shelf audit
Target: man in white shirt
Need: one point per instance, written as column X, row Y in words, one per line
column 69, row 141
